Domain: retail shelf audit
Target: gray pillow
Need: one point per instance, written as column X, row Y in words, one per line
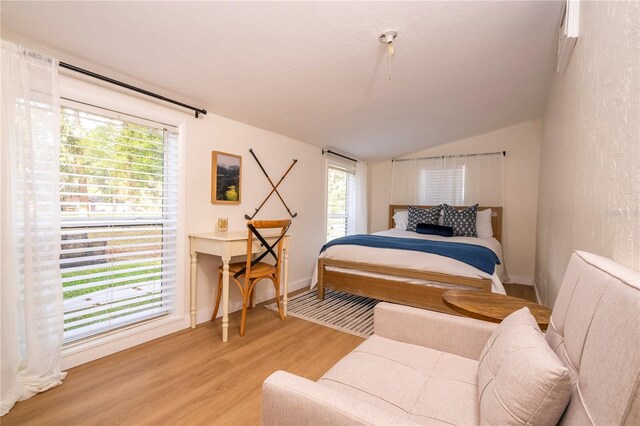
column 463, row 221
column 417, row 215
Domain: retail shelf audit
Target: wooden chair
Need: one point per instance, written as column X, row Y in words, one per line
column 247, row 274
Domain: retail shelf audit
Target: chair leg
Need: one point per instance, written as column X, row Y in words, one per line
column 276, row 284
column 252, row 302
column 245, row 299
column 215, row 310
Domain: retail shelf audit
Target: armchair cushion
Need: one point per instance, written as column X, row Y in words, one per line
column 520, row 379
column 416, row 383
column 595, row 331
column 288, row 399
column 443, row 332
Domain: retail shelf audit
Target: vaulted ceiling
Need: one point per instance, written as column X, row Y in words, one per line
column 316, row 71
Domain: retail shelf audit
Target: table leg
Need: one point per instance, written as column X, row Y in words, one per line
column 285, row 280
column 225, row 298
column 194, row 269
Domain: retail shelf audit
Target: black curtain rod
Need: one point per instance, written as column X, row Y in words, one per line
column 339, row 155
column 197, row 111
column 504, row 153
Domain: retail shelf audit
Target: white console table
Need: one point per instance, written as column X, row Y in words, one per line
column 225, row 245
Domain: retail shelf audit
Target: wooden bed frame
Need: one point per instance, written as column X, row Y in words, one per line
column 396, row 291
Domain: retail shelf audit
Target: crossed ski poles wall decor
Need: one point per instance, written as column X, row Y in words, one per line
column 274, row 188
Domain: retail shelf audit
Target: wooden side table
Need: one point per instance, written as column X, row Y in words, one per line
column 493, row 307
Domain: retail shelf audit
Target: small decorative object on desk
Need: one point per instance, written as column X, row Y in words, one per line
column 222, row 225
column 226, row 178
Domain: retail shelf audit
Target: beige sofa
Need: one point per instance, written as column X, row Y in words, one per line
column 421, row 367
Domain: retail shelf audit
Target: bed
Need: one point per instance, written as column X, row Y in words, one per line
column 409, row 278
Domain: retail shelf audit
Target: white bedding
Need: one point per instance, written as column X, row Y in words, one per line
column 419, row 261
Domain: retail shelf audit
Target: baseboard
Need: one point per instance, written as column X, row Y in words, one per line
column 520, row 279
column 236, row 305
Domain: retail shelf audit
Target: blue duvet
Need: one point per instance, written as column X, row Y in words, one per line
column 477, row 256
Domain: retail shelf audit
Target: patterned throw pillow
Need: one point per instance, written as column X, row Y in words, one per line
column 418, row 215
column 463, row 222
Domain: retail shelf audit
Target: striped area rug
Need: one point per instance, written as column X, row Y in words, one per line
column 341, row 311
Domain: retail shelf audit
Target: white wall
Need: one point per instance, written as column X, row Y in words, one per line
column 590, row 159
column 522, row 143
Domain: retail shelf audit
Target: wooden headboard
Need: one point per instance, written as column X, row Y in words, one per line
column 496, row 217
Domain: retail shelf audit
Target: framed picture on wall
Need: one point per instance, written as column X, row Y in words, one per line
column 226, row 178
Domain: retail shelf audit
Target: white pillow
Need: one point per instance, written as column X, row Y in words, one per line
column 520, row 379
column 401, row 219
column 483, row 224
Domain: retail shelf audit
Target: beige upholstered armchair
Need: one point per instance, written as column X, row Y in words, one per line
column 423, row 367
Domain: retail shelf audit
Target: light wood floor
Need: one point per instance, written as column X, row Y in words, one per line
column 191, row 377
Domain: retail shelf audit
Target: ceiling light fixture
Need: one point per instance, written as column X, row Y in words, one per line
column 388, row 38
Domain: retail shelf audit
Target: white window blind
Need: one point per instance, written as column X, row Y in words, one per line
column 442, row 185
column 341, row 202
column 118, row 193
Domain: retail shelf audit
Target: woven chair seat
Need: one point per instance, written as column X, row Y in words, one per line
column 258, row 270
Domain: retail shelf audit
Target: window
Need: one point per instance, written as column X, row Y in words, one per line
column 442, row 185
column 341, row 202
column 118, row 193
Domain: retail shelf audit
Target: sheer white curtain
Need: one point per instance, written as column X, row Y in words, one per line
column 482, row 177
column 356, row 200
column 361, row 198
column 351, row 203
column 455, row 180
column 355, row 194
column 406, row 178
column 30, row 284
